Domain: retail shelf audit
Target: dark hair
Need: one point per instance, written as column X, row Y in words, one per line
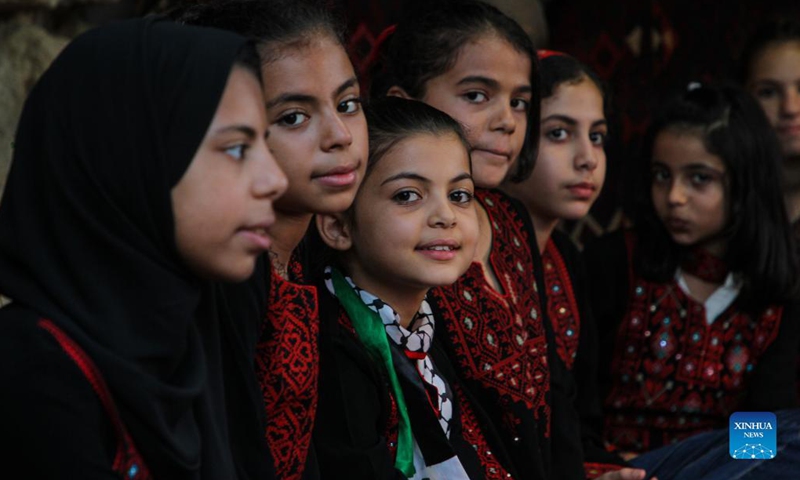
column 759, row 241
column 393, row 119
column 557, row 69
column 425, row 45
column 248, row 58
column 273, row 25
column 769, row 33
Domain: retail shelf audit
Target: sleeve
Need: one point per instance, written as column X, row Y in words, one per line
column 773, row 385
column 53, row 424
column 349, row 432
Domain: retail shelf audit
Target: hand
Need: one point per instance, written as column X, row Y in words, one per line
column 625, row 474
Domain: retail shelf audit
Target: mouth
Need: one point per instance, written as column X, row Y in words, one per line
column 582, row 190
column 258, row 235
column 677, row 225
column 495, row 154
column 439, row 250
column 792, row 130
column 339, row 177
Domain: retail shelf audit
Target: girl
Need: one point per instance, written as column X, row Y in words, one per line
column 388, row 408
column 771, row 72
column 568, row 177
column 318, row 135
column 695, row 309
column 157, row 178
column 476, row 64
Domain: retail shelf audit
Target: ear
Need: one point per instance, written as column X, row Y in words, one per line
column 335, row 231
column 397, row 91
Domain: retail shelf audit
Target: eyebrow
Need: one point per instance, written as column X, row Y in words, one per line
column 690, row 167
column 491, row 83
column 572, row 121
column 249, row 131
column 420, row 178
column 291, row 97
column 463, row 176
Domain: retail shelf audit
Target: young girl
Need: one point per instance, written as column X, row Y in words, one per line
column 695, row 309
column 476, row 64
column 771, row 72
column 132, row 185
column 388, row 405
column 568, row 177
column 318, row 135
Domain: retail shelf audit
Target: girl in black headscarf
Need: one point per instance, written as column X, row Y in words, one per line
column 140, row 174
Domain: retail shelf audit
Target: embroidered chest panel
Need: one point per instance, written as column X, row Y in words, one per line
column 562, row 308
column 669, row 360
column 499, row 339
column 287, row 366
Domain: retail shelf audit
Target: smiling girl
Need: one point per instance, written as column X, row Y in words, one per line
column 695, row 308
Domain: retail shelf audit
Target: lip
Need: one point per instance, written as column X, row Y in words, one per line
column 258, row 234
column 582, row 190
column 441, row 250
column 344, row 176
column 499, row 154
column 788, row 129
column 677, row 225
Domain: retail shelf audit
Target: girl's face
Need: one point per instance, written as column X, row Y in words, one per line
column 318, row 132
column 775, row 82
column 488, row 90
column 571, row 165
column 689, row 189
column 414, row 221
column 223, row 203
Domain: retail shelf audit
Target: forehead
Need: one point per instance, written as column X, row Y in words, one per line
column 578, row 100
column 319, row 65
column 776, row 59
column 432, row 156
column 491, row 56
column 679, row 149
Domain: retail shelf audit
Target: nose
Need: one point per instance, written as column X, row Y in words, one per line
column 790, row 102
column 586, row 156
column 442, row 214
column 335, row 134
column 677, row 194
column 269, row 181
column 503, row 118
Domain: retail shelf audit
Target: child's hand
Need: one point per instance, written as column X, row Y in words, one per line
column 625, row 474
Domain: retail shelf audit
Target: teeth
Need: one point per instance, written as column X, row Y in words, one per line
column 441, row 248
column 260, row 231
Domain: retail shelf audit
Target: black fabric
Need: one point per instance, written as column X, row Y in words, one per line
column 87, row 232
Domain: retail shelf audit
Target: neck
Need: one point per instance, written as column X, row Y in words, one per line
column 287, row 232
column 404, row 301
column 544, row 229
column 792, row 200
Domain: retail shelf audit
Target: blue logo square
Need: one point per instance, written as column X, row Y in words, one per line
column 753, row 436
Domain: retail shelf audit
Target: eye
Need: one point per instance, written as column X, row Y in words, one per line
column 236, row 151
column 659, row 175
column 701, row 179
column 293, row 119
column 766, row 92
column 557, row 134
column 476, row 97
column 406, row 196
column 520, row 104
column 461, row 197
column 351, row 105
column 598, row 138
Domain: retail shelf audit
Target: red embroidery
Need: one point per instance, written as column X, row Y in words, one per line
column 287, row 365
column 492, row 469
column 561, row 305
column 673, row 374
column 127, row 462
column 499, row 339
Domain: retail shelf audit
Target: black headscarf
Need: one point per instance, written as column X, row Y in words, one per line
column 87, row 230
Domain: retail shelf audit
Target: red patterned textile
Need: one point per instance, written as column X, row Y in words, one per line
column 287, row 366
column 498, row 338
column 562, row 307
column 493, row 470
column 673, row 374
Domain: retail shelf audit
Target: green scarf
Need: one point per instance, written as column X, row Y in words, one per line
column 372, row 334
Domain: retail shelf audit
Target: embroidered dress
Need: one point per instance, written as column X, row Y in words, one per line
column 496, row 339
column 562, row 306
column 677, row 368
column 287, row 366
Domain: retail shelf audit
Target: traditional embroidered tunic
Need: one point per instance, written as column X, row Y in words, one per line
column 676, row 366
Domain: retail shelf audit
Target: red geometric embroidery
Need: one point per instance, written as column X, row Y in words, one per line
column 561, row 305
column 287, row 366
column 674, row 375
column 492, row 469
column 498, row 338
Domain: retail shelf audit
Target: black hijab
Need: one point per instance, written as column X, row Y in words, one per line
column 87, row 230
